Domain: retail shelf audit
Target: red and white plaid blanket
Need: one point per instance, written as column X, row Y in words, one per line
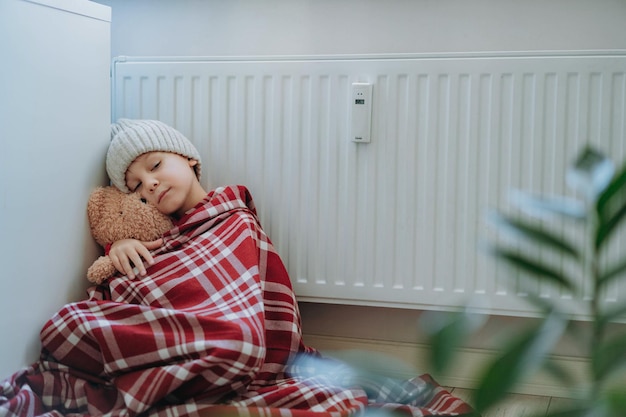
column 212, row 330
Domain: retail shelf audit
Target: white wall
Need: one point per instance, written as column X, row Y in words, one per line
column 54, row 131
column 296, row 27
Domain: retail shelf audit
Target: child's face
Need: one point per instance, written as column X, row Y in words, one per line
column 166, row 180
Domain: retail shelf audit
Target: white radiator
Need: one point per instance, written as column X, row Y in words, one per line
column 398, row 221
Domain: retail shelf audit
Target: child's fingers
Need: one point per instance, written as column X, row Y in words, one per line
column 128, row 256
column 136, row 259
column 122, row 264
column 155, row 244
column 145, row 254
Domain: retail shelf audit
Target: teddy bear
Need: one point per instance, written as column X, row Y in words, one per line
column 114, row 215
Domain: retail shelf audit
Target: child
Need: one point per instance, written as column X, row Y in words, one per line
column 213, row 329
column 155, row 160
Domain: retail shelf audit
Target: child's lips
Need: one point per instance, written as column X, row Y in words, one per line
column 162, row 195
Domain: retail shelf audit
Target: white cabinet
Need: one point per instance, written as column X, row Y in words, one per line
column 54, row 131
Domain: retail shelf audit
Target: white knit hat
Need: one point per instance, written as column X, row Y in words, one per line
column 132, row 138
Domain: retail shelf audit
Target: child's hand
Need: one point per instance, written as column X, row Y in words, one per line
column 129, row 253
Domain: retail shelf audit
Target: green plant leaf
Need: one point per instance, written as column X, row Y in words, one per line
column 607, row 226
column 545, row 305
column 445, row 342
column 614, row 190
column 522, row 357
column 608, row 276
column 447, row 332
column 609, row 357
column 534, row 233
column 581, row 411
column 547, row 207
column 616, row 401
column 558, row 372
column 611, row 315
column 591, row 173
column 611, row 207
column 532, row 266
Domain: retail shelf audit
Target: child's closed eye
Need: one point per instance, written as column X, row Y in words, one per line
column 136, row 187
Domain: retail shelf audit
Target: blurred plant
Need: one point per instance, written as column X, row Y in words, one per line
column 582, row 267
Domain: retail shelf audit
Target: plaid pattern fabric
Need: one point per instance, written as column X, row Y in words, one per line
column 211, row 330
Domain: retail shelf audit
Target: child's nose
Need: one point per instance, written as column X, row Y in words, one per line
column 152, row 183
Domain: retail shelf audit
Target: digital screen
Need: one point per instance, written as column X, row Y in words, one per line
column 359, row 101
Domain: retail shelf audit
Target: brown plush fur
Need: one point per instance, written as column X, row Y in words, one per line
column 114, row 215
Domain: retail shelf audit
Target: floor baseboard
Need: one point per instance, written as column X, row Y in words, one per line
column 414, row 360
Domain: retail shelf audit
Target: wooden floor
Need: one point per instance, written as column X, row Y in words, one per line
column 518, row 405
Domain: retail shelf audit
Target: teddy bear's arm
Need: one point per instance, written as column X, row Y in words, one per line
column 101, row 270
